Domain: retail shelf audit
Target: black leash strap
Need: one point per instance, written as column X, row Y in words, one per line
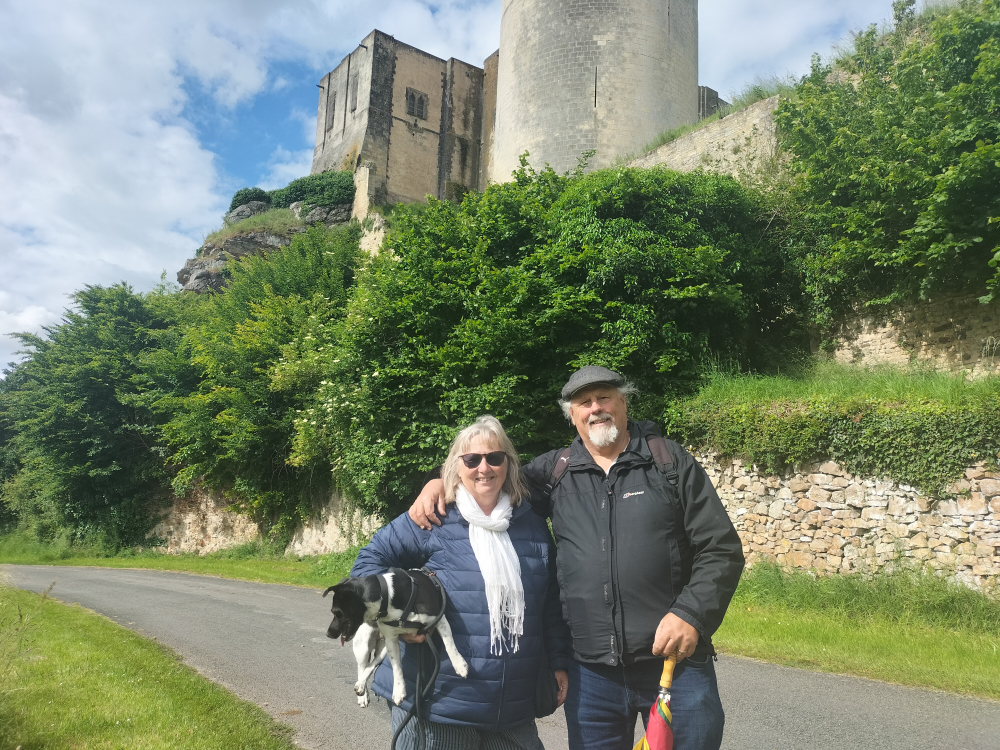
column 422, row 688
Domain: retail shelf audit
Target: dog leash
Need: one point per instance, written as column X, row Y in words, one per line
column 421, row 690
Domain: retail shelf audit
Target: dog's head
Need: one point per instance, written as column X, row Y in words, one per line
column 348, row 608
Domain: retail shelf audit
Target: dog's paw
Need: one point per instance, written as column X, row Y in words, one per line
column 461, row 667
column 363, row 699
column 398, row 694
column 360, row 688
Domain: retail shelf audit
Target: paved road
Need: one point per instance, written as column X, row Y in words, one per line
column 267, row 644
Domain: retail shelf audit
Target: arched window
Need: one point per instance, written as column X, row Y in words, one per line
column 416, row 104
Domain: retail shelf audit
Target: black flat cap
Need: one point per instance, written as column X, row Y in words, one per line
column 588, row 376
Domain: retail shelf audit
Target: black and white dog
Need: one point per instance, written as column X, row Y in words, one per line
column 373, row 611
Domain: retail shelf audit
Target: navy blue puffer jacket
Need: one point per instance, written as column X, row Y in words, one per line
column 498, row 694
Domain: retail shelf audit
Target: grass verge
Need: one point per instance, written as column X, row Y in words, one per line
column 280, row 221
column 87, row 682
column 902, row 627
column 254, row 561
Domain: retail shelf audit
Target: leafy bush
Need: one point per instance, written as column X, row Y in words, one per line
column 324, row 189
column 248, row 194
column 233, row 427
column 488, row 307
column 896, row 164
column 924, row 435
column 87, row 450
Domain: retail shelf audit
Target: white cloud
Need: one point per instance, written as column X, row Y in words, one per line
column 102, row 179
column 743, row 40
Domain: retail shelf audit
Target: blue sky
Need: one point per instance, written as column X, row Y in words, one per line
column 126, row 127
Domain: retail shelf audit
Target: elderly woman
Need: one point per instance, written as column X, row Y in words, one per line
column 495, row 558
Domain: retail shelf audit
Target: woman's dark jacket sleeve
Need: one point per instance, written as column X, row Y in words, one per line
column 401, row 544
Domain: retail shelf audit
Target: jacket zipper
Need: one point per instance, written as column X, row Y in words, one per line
column 613, row 555
column 503, row 682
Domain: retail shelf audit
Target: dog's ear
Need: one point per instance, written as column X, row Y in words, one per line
column 345, row 578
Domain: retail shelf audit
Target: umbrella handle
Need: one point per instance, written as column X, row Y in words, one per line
column 667, row 678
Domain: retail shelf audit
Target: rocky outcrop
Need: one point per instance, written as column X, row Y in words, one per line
column 238, row 214
column 201, row 523
column 204, row 273
column 327, row 215
column 334, row 528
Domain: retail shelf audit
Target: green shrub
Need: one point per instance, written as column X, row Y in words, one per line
column 324, row 189
column 490, row 305
column 895, row 151
column 233, row 427
column 919, row 429
column 248, row 194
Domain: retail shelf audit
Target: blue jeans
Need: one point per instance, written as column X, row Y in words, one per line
column 603, row 702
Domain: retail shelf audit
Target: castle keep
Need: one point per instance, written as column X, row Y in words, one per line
column 570, row 76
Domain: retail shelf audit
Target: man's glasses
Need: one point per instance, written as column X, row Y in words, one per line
column 472, row 460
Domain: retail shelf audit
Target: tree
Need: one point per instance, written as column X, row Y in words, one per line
column 895, row 162
column 488, row 307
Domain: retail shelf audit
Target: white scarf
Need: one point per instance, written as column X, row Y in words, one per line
column 499, row 564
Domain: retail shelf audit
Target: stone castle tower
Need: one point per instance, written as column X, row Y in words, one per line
column 570, row 76
column 601, row 75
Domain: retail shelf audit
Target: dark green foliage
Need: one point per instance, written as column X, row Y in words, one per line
column 87, row 458
column 233, row 427
column 896, row 164
column 248, row 194
column 924, row 443
column 324, row 189
column 488, row 307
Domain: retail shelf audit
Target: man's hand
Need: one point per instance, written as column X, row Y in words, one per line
column 674, row 636
column 562, row 677
column 431, row 498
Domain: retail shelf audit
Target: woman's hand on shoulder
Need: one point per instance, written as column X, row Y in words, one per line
column 431, row 498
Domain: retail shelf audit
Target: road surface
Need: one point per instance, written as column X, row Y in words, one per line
column 267, row 644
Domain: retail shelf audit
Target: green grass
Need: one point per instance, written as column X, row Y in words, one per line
column 758, row 91
column 89, row 683
column 836, row 382
column 902, row 627
column 280, row 221
column 254, row 561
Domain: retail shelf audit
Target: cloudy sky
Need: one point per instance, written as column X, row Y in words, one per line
column 126, row 126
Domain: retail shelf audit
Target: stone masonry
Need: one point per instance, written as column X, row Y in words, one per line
column 738, row 144
column 953, row 334
column 822, row 518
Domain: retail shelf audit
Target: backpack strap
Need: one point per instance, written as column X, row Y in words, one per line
column 557, row 471
column 663, row 458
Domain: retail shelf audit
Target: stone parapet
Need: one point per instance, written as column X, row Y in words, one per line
column 822, row 518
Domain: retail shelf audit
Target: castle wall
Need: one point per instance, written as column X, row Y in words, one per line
column 342, row 117
column 736, row 143
column 950, row 333
column 412, row 168
column 604, row 75
column 490, row 68
column 408, row 124
column 461, row 128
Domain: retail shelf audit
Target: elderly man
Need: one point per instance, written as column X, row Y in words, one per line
column 648, row 561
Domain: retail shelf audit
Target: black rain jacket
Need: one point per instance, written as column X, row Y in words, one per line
column 633, row 547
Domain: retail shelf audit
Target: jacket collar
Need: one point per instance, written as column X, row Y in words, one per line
column 636, row 450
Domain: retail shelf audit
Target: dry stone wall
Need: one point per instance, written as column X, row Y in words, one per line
column 951, row 333
column 822, row 518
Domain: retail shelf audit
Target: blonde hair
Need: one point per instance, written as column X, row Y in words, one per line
column 487, row 427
